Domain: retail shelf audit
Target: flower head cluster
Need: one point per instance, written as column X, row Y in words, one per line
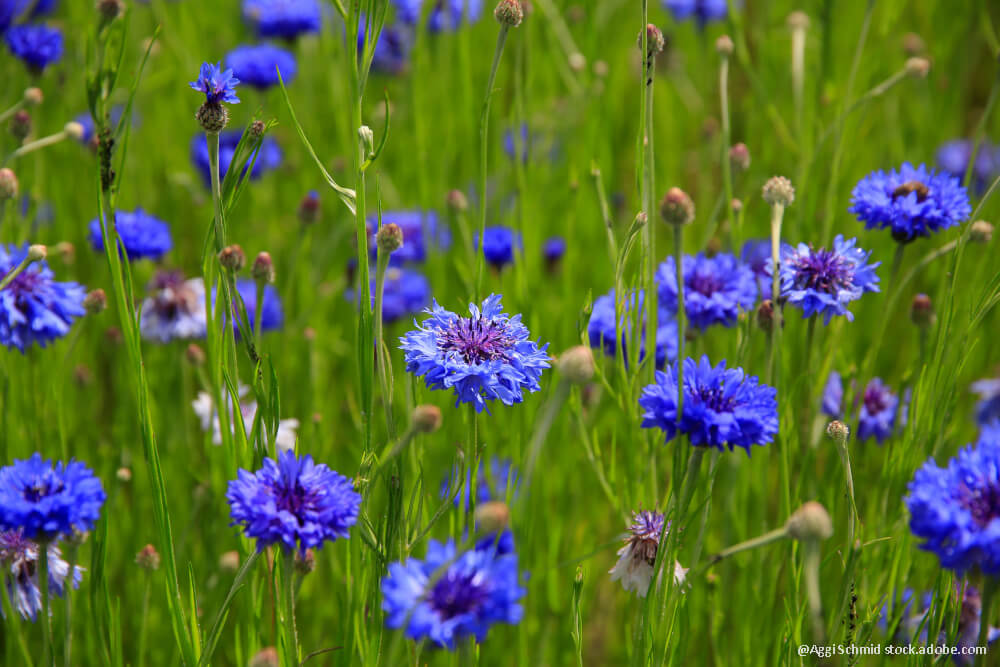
column 988, row 407
column 703, row 11
column 716, row 288
column 423, row 232
column 912, row 202
column 174, row 310
column 293, row 502
column 637, row 558
column 219, row 85
column 268, row 158
column 36, row 44
column 208, row 416
column 499, row 244
column 406, row 292
column 449, row 595
column 142, row 235
column 486, row 356
column 722, row 406
column 823, row 282
column 19, row 563
column 603, row 333
column 447, row 15
column 956, row 509
column 258, row 65
column 45, row 500
column 34, row 308
column 272, row 315
column 283, row 18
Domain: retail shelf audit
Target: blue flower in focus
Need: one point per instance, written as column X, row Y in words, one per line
column 716, row 289
column 407, row 292
column 492, row 483
column 498, row 245
column 272, row 316
column 722, row 406
column 174, row 310
column 878, row 412
column 756, row 255
column 602, row 332
column 422, row 232
column 484, row 357
column 443, row 15
column 20, row 567
column 823, row 282
column 34, row 308
column 953, row 157
column 833, row 396
column 258, row 65
column 450, row 595
column 956, row 510
column 392, row 50
column 36, row 44
column 703, row 11
column 44, row 500
column 293, row 502
column 912, row 202
column 142, row 235
column 219, row 85
column 268, row 158
column 988, row 407
column 283, row 18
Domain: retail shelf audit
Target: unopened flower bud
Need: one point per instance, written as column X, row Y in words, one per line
column 980, row 232
column 263, row 268
column 8, row 184
column 110, row 9
column 426, row 418
column 33, row 96
column 229, row 561
column 810, row 522
column 677, row 208
column 457, row 201
column 724, row 46
column 95, row 301
column 765, row 315
column 577, row 364
column 798, row 21
column 213, row 117
column 148, row 558
column 65, row 251
column 309, row 208
column 922, row 311
column 577, row 62
column 654, row 41
column 256, row 130
column 20, row 125
column 838, row 432
column 124, row 475
column 367, row 138
column 913, row 44
column 641, row 219
column 492, row 516
column 739, row 156
column 918, row 67
column 73, row 130
column 389, row 238
column 266, row 657
column 737, row 205
column 195, row 355
column 233, row 258
column 305, row 564
column 778, row 191
column 509, row 13
column 37, row 252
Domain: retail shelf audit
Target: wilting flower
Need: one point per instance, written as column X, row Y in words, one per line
column 722, row 406
column 422, row 232
column 878, row 412
column 988, row 408
column 450, row 595
column 142, row 235
column 956, row 509
column 703, row 11
column 268, row 158
column 293, row 502
column 258, row 65
column 37, row 44
column 407, row 292
column 34, row 308
column 219, row 85
column 756, row 255
column 636, row 559
column 498, row 245
column 447, row 15
column 484, row 357
column 602, row 332
column 912, row 202
column 283, row 18
column 272, row 315
column 716, row 288
column 44, row 500
column 208, row 416
column 175, row 309
column 823, row 282
column 19, row 562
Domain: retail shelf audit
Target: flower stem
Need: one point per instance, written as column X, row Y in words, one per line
column 681, row 317
column 67, row 590
column 757, row 542
column 9, row 278
column 727, row 167
column 649, row 188
column 811, row 572
column 845, row 459
column 381, row 357
column 989, row 593
column 36, row 145
column 777, row 214
column 287, row 597
column 48, row 656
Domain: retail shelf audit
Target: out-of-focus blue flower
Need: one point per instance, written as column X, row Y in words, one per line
column 491, row 483
column 37, row 44
column 272, row 316
column 422, row 231
column 553, row 249
column 12, row 10
column 283, row 18
column 756, row 254
column 833, row 396
column 636, row 559
column 443, row 15
column 522, row 147
column 722, row 406
column 969, row 622
column 87, row 123
column 268, row 158
column 142, row 235
column 34, row 308
column 956, row 510
column 912, row 202
column 392, row 50
column 174, row 310
column 450, row 595
column 823, row 282
column 45, row 500
column 487, row 356
column 498, row 245
column 258, row 65
column 909, row 619
column 19, row 563
column 878, row 412
column 703, row 11
column 953, row 157
column 988, row 407
column 293, row 502
column 219, row 85
column 407, row 292
column 602, row 332
column 716, row 288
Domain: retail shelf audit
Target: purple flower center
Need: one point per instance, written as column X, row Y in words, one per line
column 824, row 271
column 292, row 499
column 705, row 284
column 715, row 399
column 457, row 594
column 42, row 487
column 982, row 503
column 876, row 400
column 476, row 339
column 646, row 525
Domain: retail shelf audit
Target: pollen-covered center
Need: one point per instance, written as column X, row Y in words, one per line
column 704, row 283
column 456, row 594
column 824, row 271
column 476, row 339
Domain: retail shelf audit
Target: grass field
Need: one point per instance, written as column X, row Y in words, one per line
column 558, row 150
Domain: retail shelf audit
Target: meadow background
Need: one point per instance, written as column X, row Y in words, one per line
column 77, row 398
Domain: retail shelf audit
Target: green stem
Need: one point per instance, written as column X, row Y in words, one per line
column 893, row 290
column 287, row 597
column 649, row 188
column 13, row 110
column 144, row 622
column 681, row 317
column 67, row 591
column 46, row 613
column 727, row 167
column 989, row 593
column 805, row 417
column 9, row 278
column 777, row 214
column 845, row 459
column 543, row 426
column 36, row 145
column 757, row 542
column 380, row 351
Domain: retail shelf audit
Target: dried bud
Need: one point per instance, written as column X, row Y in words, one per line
column 798, row 21
column 918, row 67
column 838, row 432
column 73, row 130
column 305, row 565
column 195, row 355
column 266, row 657
column 95, row 302
column 213, row 117
column 263, row 268
column 229, row 561
column 577, row 364
column 233, row 258
column 8, row 184
column 37, row 252
column 765, row 315
column 33, row 97
column 778, row 191
column 256, row 130
column 980, row 232
column 509, row 13
column 148, row 558
column 20, row 125
column 677, row 207
column 810, row 522
column 739, row 156
column 913, row 44
column 426, row 418
column 654, row 41
column 457, row 201
column 922, row 311
column 724, row 46
column 389, row 238
column 492, row 516
column 309, row 208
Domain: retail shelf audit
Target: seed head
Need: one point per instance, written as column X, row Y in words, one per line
column 838, row 432
column 148, row 558
column 492, row 516
column 918, row 67
column 233, row 258
column 213, row 117
column 263, row 268
column 577, row 364
column 20, row 124
column 509, row 13
column 426, row 418
column 724, row 46
column 95, row 301
column 739, row 156
column 677, row 208
column 980, row 232
column 778, row 191
column 73, row 130
column 922, row 311
column 8, row 184
column 654, row 41
column 389, row 238
column 33, row 96
column 810, row 522
column 737, row 205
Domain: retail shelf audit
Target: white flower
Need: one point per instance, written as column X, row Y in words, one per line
column 204, row 408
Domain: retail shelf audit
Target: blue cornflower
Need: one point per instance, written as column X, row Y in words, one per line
column 722, row 406
column 34, row 308
column 142, row 235
column 219, row 85
column 268, row 158
column 824, row 281
column 491, row 483
column 44, row 500
column 498, row 245
column 19, row 563
column 447, row 15
column 601, row 330
column 953, row 157
column 756, row 255
column 293, row 502
column 450, row 595
column 878, row 412
column 957, row 509
column 703, row 11
column 175, row 309
column 912, row 202
column 637, row 557
column 716, row 288
column 422, row 231
column 11, row 10
column 484, row 357
column 283, row 18
column 272, row 315
column 37, row 44
column 988, row 407
column 258, row 65
column 511, row 148
column 553, row 250
column 833, row 396
column 407, row 292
